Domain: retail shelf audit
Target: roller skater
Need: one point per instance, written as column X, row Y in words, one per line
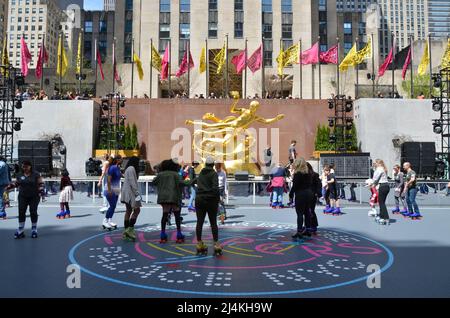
column 202, row 249
column 31, row 190
column 112, row 192
column 131, row 197
column 193, row 190
column 180, row 238
column 399, row 191
column 222, row 175
column 66, row 195
column 278, row 185
column 169, row 185
column 4, row 182
column 218, row 250
column 373, row 198
column 207, row 201
column 381, row 183
column 103, row 181
column 333, row 194
column 411, row 192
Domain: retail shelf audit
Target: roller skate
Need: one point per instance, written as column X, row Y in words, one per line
column 405, row 213
column 274, row 205
column 222, row 219
column 297, row 236
column 202, row 249
column 280, row 206
column 106, row 225
column 336, row 212
column 383, row 221
column 180, row 238
column 113, row 225
column 217, row 249
column 20, row 234
column 373, row 212
column 163, row 238
column 328, row 210
column 313, row 231
column 307, row 233
column 67, row 214
column 61, row 215
column 129, row 235
column 2, row 215
column 34, row 233
column 416, row 216
column 396, row 210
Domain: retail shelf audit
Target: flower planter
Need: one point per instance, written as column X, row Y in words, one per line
column 123, row 153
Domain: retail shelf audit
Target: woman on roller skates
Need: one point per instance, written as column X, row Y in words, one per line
column 112, row 192
column 31, row 189
column 411, row 192
column 66, row 195
column 131, row 197
column 169, row 186
column 207, row 203
column 381, row 183
column 301, row 189
column 4, row 182
column 399, row 179
column 332, row 192
column 278, row 186
column 316, row 188
column 103, row 181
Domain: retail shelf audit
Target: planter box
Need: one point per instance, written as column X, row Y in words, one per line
column 124, row 153
column 317, row 154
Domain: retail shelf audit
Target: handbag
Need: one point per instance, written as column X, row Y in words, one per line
column 138, row 198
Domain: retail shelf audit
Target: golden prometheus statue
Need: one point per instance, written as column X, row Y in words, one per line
column 228, row 140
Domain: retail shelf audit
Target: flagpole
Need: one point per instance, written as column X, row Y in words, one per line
column 151, row 68
column 392, row 65
column 60, row 65
column 42, row 60
column 411, row 65
column 170, row 68
column 373, row 66
column 226, row 61
column 96, row 67
column 207, row 68
column 301, row 69
column 245, row 70
column 132, row 68
column 80, row 78
column 337, row 68
column 357, row 72
column 189, row 68
column 320, row 70
column 114, row 66
column 431, row 65
column 263, row 71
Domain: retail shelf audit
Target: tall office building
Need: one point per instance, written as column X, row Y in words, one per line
column 32, row 19
column 438, row 18
column 3, row 20
column 109, row 5
column 279, row 22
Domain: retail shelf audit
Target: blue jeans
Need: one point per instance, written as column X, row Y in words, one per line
column 277, row 195
column 2, row 204
column 192, row 198
column 112, row 200
column 411, row 200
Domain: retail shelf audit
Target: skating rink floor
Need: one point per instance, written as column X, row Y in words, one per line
column 409, row 258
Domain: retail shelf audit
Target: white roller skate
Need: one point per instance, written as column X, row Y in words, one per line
column 373, row 212
column 106, row 225
column 112, row 224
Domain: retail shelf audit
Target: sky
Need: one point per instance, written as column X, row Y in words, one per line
column 93, row 4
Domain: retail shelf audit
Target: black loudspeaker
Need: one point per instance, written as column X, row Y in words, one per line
column 241, row 176
column 38, row 152
column 422, row 156
column 93, row 168
column 348, row 166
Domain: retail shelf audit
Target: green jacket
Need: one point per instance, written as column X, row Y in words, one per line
column 169, row 185
column 207, row 184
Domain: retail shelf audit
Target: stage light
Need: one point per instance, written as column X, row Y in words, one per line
column 437, row 81
column 331, row 122
column 437, row 127
column 20, row 80
column 17, row 126
column 122, row 102
column 330, row 104
column 437, row 104
column 18, row 104
column 348, row 106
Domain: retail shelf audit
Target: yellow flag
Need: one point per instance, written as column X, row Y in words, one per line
column 156, row 59
column 364, row 53
column 63, row 62
column 281, row 62
column 424, row 62
column 292, row 55
column 203, row 61
column 80, row 39
column 446, row 58
column 138, row 63
column 221, row 59
column 349, row 59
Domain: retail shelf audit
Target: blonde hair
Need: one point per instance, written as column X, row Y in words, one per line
column 301, row 166
column 380, row 163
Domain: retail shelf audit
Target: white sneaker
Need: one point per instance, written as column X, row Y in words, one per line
column 373, row 212
column 106, row 224
column 104, row 209
column 377, row 219
column 110, row 222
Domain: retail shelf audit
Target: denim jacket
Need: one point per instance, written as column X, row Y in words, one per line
column 4, row 174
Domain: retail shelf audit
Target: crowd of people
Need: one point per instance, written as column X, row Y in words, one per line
column 31, row 94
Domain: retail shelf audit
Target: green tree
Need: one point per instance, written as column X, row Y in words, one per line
column 127, row 142
column 134, row 138
column 421, row 85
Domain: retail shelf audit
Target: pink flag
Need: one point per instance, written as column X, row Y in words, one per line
column 165, row 64
column 330, row 56
column 43, row 58
column 25, row 57
column 239, row 62
column 407, row 63
column 311, row 56
column 387, row 62
column 184, row 65
column 254, row 63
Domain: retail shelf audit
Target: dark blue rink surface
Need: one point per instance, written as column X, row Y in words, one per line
column 260, row 259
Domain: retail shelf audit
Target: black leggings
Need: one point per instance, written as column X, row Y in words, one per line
column 204, row 207
column 165, row 218
column 312, row 209
column 64, row 205
column 24, row 203
column 382, row 196
column 302, row 207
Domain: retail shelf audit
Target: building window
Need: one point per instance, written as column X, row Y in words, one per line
column 286, row 6
column 164, row 6
column 88, row 26
column 266, row 5
column 238, row 19
column 212, row 19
